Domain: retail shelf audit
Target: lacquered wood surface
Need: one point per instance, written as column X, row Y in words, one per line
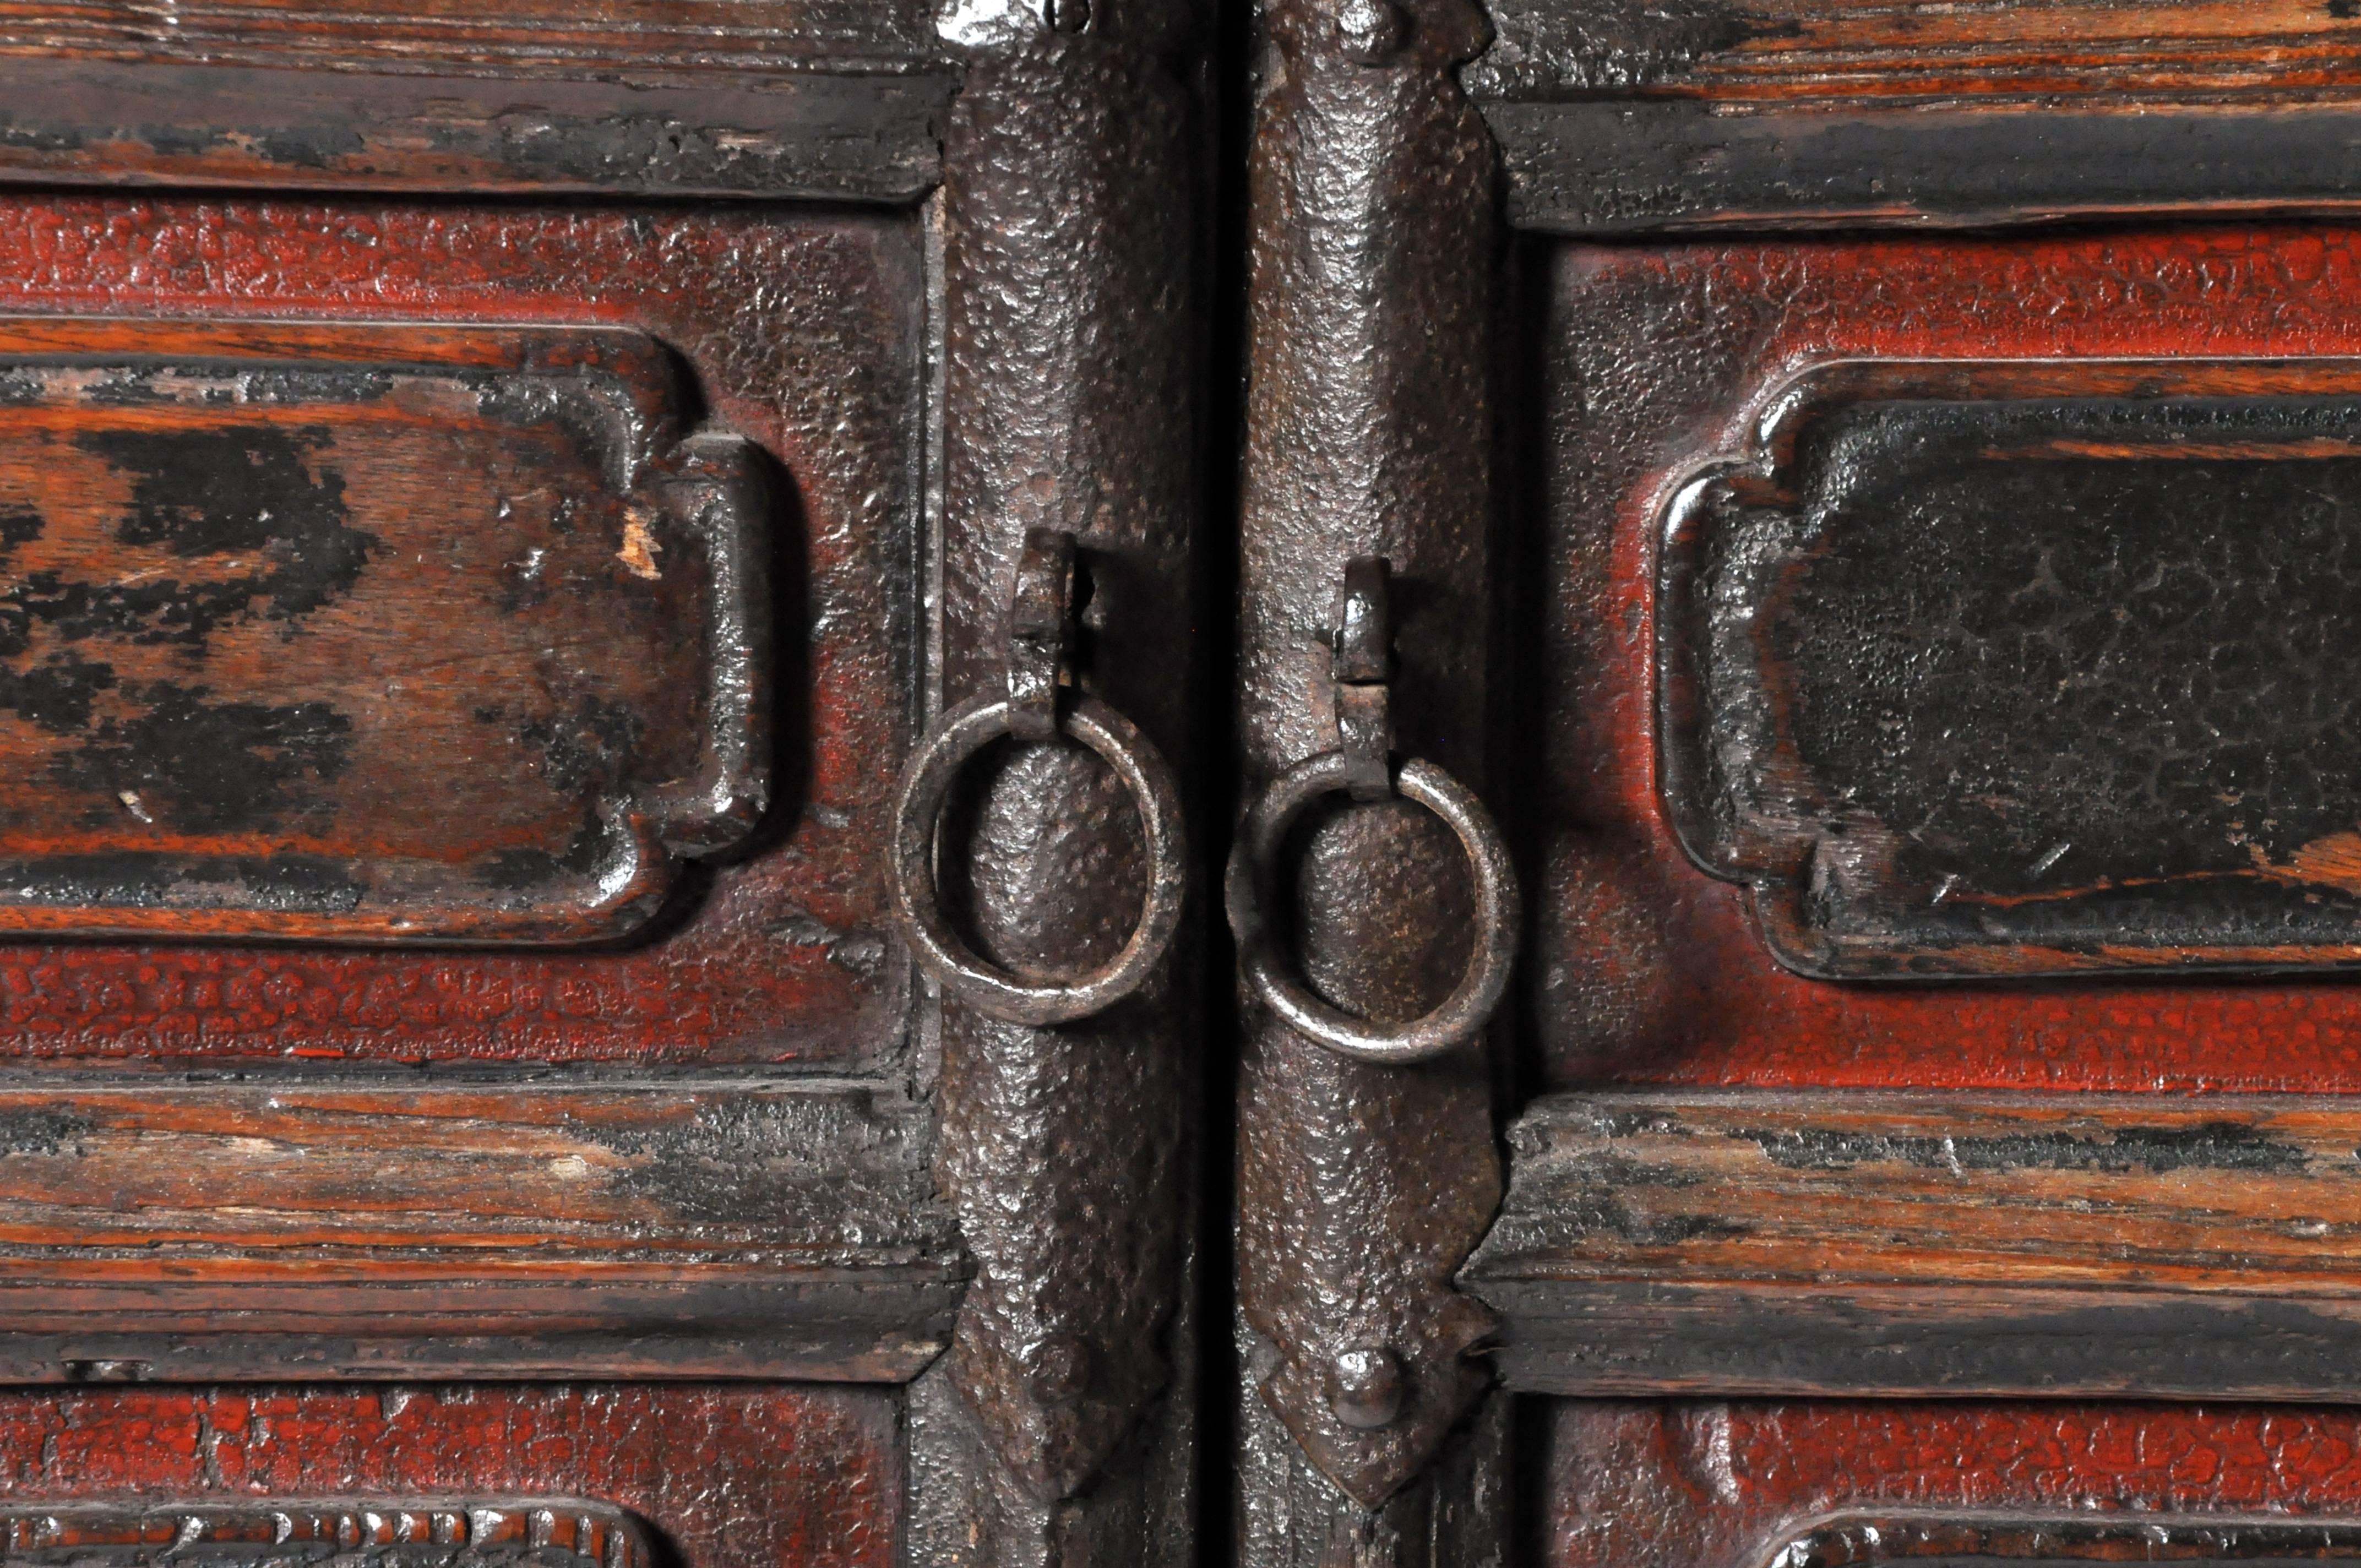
column 1772, row 50
column 1649, row 970
column 799, row 332
column 1726, row 1484
column 722, row 1475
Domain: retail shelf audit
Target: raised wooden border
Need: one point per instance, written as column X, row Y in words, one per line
column 1775, row 854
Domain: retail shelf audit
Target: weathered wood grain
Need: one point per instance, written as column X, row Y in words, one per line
column 266, row 669
column 1807, row 50
column 1719, row 1484
column 279, row 117
column 1626, row 118
column 1892, row 1242
column 1628, row 166
column 399, row 1229
column 798, row 330
column 833, row 99
column 641, row 34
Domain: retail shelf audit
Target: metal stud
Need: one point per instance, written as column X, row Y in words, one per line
column 1369, row 1388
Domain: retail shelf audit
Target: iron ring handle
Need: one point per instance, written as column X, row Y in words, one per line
column 918, row 900
column 1499, row 910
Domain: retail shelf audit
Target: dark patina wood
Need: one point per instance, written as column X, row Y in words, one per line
column 356, row 1228
column 1988, row 667
column 265, row 671
column 2135, row 51
column 799, row 333
column 1880, row 1242
column 773, row 98
column 1628, row 117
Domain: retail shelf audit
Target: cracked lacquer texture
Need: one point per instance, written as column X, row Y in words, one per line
column 799, row 332
column 728, row 1476
column 1067, row 247
column 1709, row 1486
column 1651, row 972
column 2029, row 682
column 1362, row 1188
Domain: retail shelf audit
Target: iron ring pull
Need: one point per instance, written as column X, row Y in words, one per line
column 1363, row 767
column 1038, row 706
column 1247, row 890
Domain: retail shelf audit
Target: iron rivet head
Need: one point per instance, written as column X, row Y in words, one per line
column 1060, row 1370
column 1367, row 1387
column 1371, row 31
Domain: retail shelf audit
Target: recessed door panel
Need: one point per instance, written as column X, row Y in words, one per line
column 421, row 575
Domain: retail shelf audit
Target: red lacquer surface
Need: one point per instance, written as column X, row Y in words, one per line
column 1636, row 1485
column 1648, row 970
column 798, row 331
column 732, row 1477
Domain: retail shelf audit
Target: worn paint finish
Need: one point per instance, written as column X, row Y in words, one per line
column 723, row 1474
column 386, row 1230
column 265, row 671
column 1823, row 51
column 2224, row 1193
column 777, row 35
column 800, row 333
column 301, row 120
column 1721, row 1485
column 1623, row 116
column 2114, row 583
column 1649, row 970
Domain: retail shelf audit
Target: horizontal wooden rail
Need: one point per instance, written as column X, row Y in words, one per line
column 1893, row 1244
column 378, row 1227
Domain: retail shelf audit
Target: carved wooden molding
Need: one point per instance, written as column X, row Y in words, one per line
column 356, row 1532
column 381, row 634
column 2014, row 668
column 1976, row 1541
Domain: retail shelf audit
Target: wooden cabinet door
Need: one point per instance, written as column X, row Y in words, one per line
column 596, row 670
column 1864, row 494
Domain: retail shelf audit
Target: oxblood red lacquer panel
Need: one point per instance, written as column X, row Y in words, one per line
column 1648, row 970
column 732, row 1475
column 798, row 331
column 1723, row 1485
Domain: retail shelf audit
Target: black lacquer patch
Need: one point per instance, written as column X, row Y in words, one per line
column 1970, row 684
